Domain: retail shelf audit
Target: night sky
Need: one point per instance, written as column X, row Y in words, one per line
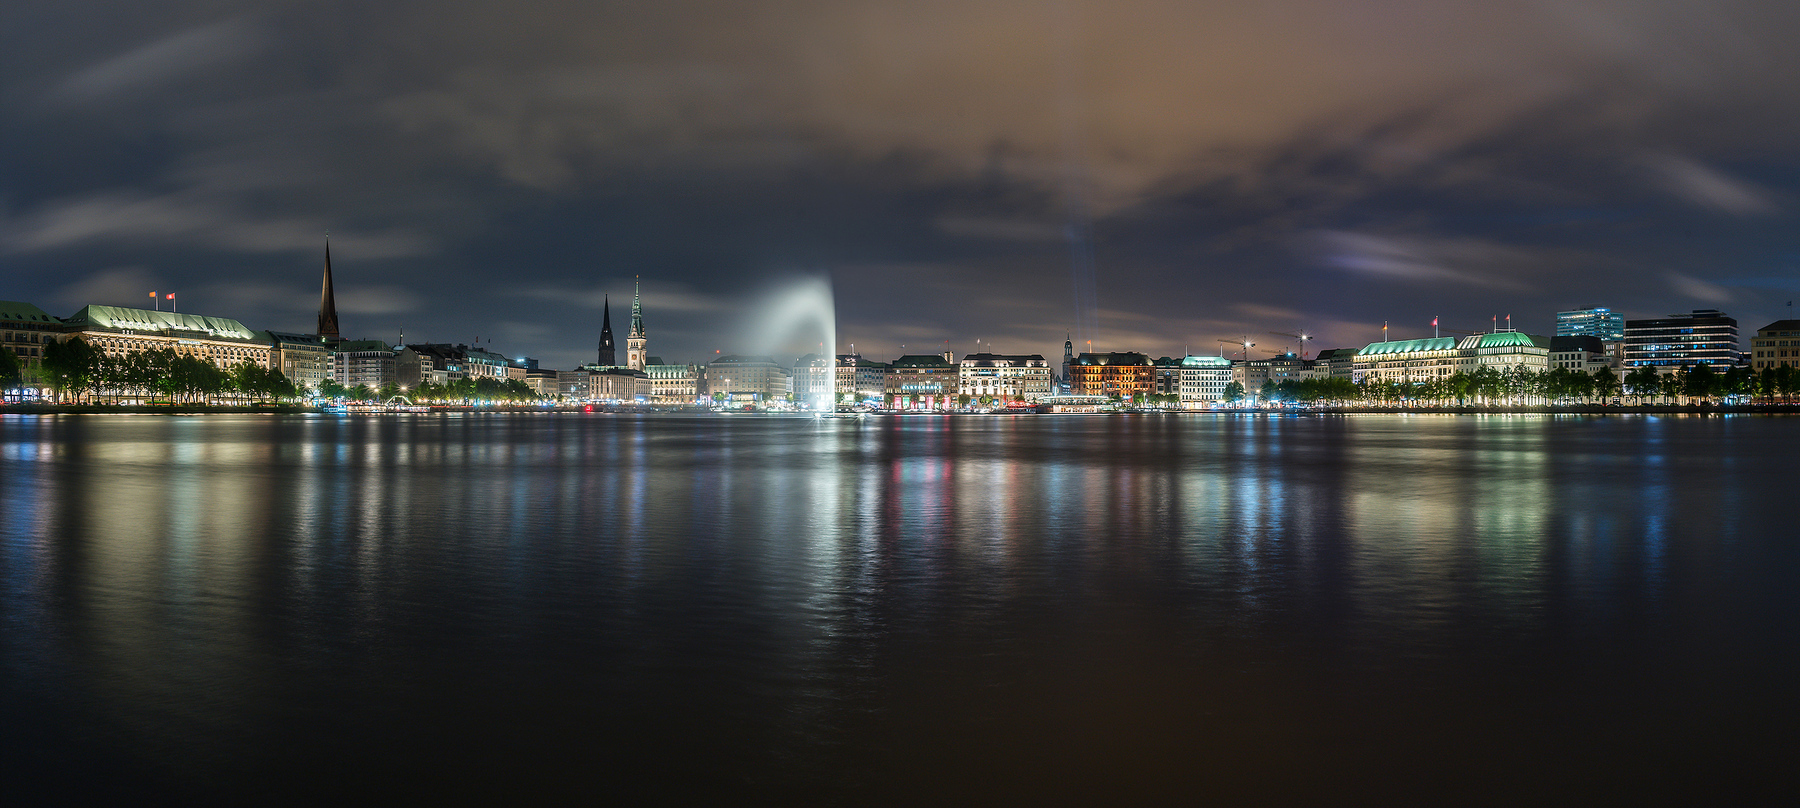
column 959, row 170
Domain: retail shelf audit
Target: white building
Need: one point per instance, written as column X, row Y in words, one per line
column 1203, row 380
column 1001, row 378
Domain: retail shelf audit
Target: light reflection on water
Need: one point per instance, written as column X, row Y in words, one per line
column 1049, row 607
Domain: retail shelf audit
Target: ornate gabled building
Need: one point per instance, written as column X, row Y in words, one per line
column 1002, row 379
column 1121, row 373
column 921, row 382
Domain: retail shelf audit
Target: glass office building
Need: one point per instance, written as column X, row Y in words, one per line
column 1606, row 324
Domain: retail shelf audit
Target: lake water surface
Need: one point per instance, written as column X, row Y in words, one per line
column 897, row 610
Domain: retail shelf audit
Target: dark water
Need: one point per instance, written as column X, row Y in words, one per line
column 898, row 610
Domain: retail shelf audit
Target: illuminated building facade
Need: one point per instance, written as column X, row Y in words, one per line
column 1703, row 337
column 118, row 332
column 608, row 384
column 922, row 382
column 748, row 379
column 1123, row 374
column 303, row 358
column 25, row 330
column 859, row 380
column 1586, row 353
column 1203, row 379
column 1776, row 345
column 674, row 385
column 358, row 362
column 1606, row 324
column 1416, row 361
column 1004, row 378
column 814, row 377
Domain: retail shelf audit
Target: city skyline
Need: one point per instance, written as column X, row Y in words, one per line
column 1153, row 175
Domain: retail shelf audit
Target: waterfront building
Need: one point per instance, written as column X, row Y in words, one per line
column 674, row 385
column 358, row 362
column 118, row 332
column 543, row 383
column 1606, row 324
column 1776, row 345
column 303, row 358
column 1703, row 337
column 1586, row 353
column 610, row 384
column 1004, row 378
column 921, row 382
column 1168, row 376
column 748, row 379
column 1121, row 373
column 1252, row 374
column 1416, row 361
column 25, row 330
column 636, row 341
column 435, row 362
column 1203, row 379
column 859, row 380
column 1336, row 363
column 481, row 363
column 814, row 376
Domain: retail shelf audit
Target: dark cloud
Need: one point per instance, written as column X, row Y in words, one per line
column 1238, row 168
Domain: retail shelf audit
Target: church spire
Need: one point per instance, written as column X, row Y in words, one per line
column 607, row 356
column 328, row 322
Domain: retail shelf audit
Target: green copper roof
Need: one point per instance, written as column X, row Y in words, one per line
column 1503, row 339
column 23, row 312
column 125, row 319
column 1206, row 362
column 1408, row 346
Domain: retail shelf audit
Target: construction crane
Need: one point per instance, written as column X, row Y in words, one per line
column 1303, row 337
column 1245, row 344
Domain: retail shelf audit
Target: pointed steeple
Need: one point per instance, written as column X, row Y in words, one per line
column 328, row 322
column 636, row 343
column 607, row 356
column 637, row 313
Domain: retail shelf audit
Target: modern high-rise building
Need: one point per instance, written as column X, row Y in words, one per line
column 1606, row 324
column 1704, row 337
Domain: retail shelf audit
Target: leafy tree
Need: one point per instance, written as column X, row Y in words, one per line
column 1606, row 383
column 1234, row 392
column 1642, row 381
column 1699, row 382
column 963, row 400
column 69, row 365
column 331, row 389
column 11, row 369
column 1270, row 391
